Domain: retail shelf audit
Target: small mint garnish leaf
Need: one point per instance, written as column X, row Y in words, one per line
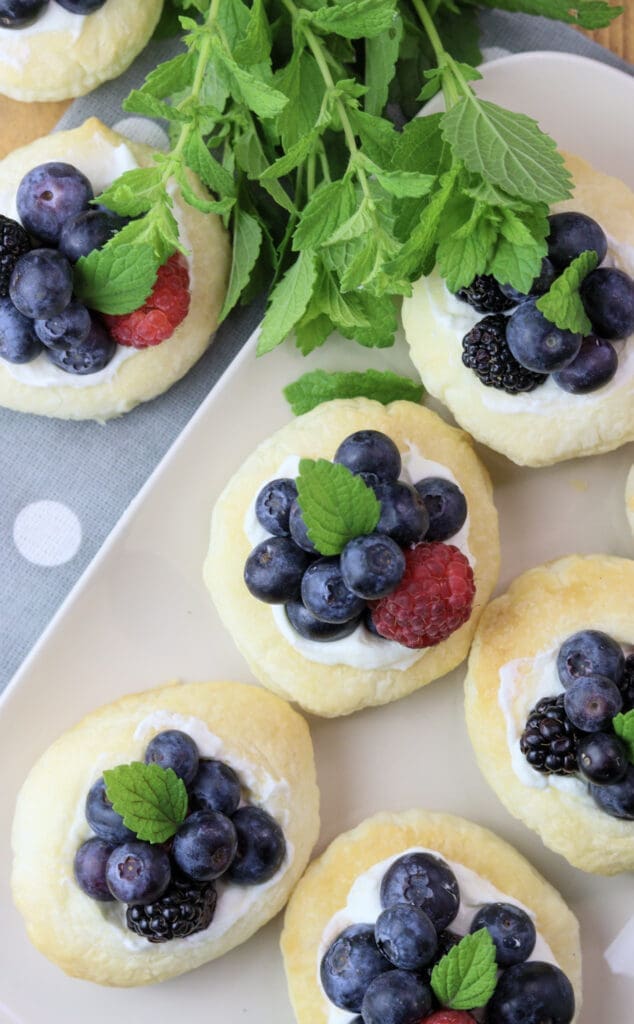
column 465, row 977
column 116, row 279
column 151, row 800
column 562, row 303
column 624, row 727
column 336, row 505
column 317, row 386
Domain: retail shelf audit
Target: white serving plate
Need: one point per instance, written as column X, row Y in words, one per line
column 140, row 616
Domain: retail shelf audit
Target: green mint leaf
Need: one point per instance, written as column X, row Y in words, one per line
column 302, row 83
column 381, row 55
column 465, row 977
column 405, row 183
column 171, row 77
column 624, row 727
column 378, row 137
column 255, row 47
column 516, row 265
column 562, row 303
column 258, row 96
column 138, row 102
column 133, row 193
column 417, row 254
column 316, row 387
column 507, row 149
column 151, row 800
column 355, row 19
column 312, row 333
column 325, row 212
column 158, row 229
column 212, row 173
column 295, row 156
column 337, row 506
column 467, row 239
column 382, row 314
column 221, row 207
column 590, row 14
column 115, row 280
column 247, row 242
column 345, row 310
column 434, row 78
column 420, row 146
column 288, row 302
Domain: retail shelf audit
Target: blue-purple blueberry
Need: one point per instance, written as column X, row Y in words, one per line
column 88, row 356
column 616, row 800
column 325, row 593
column 538, row 344
column 216, row 787
column 87, row 231
column 372, row 566
column 68, row 329
column 350, row 964
column 406, row 936
column 261, row 846
column 571, row 234
column 370, row 451
column 511, row 929
column 602, row 758
column 19, row 13
column 138, row 872
column 273, row 505
column 273, row 571
column 590, row 653
column 446, row 507
column 48, row 196
column 174, row 749
column 425, row 881
column 593, row 368
column 608, row 299
column 540, row 285
column 592, row 702
column 205, row 845
column 311, row 628
column 41, row 284
column 396, row 997
column 18, row 340
column 403, row 516
column 532, row 993
column 297, row 529
column 102, row 817
column 89, row 868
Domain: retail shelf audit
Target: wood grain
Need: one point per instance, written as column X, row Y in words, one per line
column 619, row 37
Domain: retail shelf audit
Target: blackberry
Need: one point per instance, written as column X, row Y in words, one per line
column 549, row 741
column 485, row 351
column 485, row 295
column 14, row 242
column 184, row 909
column 626, row 685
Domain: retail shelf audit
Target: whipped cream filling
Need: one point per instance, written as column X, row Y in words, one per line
column 54, row 18
column 363, row 906
column 361, row 649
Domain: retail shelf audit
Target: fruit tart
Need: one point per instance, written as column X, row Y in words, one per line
column 181, row 821
column 351, row 554
column 550, row 707
column 58, row 356
column 58, row 49
column 425, row 918
column 511, row 377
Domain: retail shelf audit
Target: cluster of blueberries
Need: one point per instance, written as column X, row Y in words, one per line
column 326, row 598
column 20, row 13
column 517, row 353
column 37, row 310
column 169, row 887
column 383, row 970
column 574, row 733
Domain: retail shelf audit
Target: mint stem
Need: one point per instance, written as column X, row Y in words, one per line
column 453, row 84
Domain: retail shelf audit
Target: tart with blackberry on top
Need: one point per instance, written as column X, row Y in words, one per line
column 352, row 552
column 550, row 707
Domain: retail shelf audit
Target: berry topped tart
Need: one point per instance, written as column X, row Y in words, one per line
column 351, row 554
column 547, row 373
column 550, row 707
column 425, row 918
column 183, row 818
column 58, row 49
column 70, row 344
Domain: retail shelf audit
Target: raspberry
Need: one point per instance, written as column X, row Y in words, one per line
column 432, row 600
column 161, row 314
column 449, row 1017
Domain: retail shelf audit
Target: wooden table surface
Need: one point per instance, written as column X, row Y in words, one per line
column 22, row 122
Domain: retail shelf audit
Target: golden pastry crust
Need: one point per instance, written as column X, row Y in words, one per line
column 71, row 929
column 541, row 609
column 324, row 890
column 59, row 65
column 341, row 689
column 629, row 498
column 147, row 372
column 578, row 425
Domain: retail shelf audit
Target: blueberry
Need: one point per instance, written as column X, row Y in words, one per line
column 570, row 235
column 608, row 299
column 590, row 653
column 532, row 993
column 404, row 516
column 138, row 872
column 540, row 285
column 215, row 788
column 424, row 881
column 406, row 936
column 273, row 571
column 297, row 529
column 41, row 284
column 68, row 329
column 81, row 6
column 349, row 965
column 537, row 344
column 48, row 196
column 102, row 817
column 592, row 702
column 371, row 480
column 18, row 341
column 617, row 799
column 326, row 595
column 602, row 758
column 273, row 506
column 88, row 356
column 446, row 507
column 18, row 13
column 261, row 846
column 372, row 566
column 396, row 997
column 593, row 368
column 176, row 750
column 370, row 451
column 89, row 868
column 511, row 929
column 88, row 230
column 368, row 623
column 205, row 845
column 312, row 628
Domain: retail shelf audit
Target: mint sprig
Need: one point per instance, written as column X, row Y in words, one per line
column 562, row 303
column 151, row 800
column 318, row 386
column 465, row 978
column 116, row 282
column 336, row 505
column 624, row 727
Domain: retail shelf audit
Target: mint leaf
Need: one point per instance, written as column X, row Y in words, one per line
column 316, row 387
column 151, row 800
column 246, row 245
column 115, row 280
column 466, row 242
column 171, row 77
column 261, row 98
column 465, row 977
column 337, row 506
column 211, row 173
column 355, row 19
column 417, row 254
column 381, row 55
column 590, row 14
column 562, row 303
column 255, row 47
column 133, row 193
column 420, row 147
column 624, row 727
column 312, row 332
column 301, row 81
column 326, row 211
column 288, row 302
column 405, row 183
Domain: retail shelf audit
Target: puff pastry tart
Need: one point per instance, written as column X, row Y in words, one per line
column 342, row 583
column 373, row 925
column 510, row 377
column 549, row 699
column 58, row 49
column 215, row 785
column 57, row 356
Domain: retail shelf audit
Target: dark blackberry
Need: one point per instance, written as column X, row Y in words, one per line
column 485, row 295
column 549, row 741
column 626, row 685
column 485, row 351
column 14, row 242
column 184, row 909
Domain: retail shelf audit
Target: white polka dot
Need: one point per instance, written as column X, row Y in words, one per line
column 47, row 533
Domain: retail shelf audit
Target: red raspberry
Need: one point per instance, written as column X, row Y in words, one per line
column 161, row 314
column 432, row 600
column 449, row 1017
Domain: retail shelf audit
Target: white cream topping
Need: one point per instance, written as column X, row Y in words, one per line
column 361, row 649
column 53, row 19
column 363, row 906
